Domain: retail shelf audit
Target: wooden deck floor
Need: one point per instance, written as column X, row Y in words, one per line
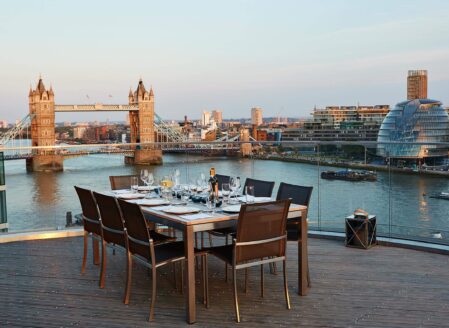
column 41, row 286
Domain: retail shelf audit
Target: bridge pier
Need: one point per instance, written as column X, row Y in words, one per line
column 45, row 163
column 145, row 157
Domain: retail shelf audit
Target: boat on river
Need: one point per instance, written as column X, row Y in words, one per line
column 349, row 175
column 441, row 195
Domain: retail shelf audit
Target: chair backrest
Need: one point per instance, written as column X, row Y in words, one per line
column 222, row 179
column 136, row 228
column 111, row 219
column 299, row 194
column 261, row 188
column 121, row 181
column 91, row 217
column 258, row 222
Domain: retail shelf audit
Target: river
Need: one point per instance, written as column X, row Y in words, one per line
column 38, row 201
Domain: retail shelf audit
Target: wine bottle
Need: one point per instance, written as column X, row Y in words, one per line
column 213, row 186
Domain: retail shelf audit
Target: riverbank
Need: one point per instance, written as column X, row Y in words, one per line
column 360, row 166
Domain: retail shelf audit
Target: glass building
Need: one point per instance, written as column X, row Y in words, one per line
column 414, row 121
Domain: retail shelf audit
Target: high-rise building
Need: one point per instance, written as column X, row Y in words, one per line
column 417, row 84
column 256, row 116
column 217, row 115
column 205, row 118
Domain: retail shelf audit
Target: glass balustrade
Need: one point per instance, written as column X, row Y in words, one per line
column 400, row 195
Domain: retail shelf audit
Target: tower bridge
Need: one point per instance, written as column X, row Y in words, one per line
column 42, row 114
column 149, row 134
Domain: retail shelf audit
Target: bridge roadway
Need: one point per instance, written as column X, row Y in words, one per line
column 128, row 152
column 95, row 108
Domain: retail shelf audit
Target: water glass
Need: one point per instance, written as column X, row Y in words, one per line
column 134, row 182
column 186, row 193
column 210, row 203
column 250, row 194
column 225, row 191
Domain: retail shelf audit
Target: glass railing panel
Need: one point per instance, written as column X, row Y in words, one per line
column 400, row 201
column 415, row 214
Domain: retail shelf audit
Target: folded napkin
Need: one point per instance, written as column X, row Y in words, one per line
column 129, row 195
column 121, row 191
column 196, row 216
column 254, row 199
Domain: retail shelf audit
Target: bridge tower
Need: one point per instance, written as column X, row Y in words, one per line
column 42, row 112
column 245, row 145
column 142, row 126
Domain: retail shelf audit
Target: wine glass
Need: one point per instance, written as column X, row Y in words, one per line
column 144, row 176
column 225, row 191
column 150, row 179
column 167, row 185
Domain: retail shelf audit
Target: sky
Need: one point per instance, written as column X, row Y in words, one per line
column 284, row 56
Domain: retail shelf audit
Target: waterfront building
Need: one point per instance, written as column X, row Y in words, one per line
column 418, row 120
column 417, row 84
column 79, row 130
column 340, row 123
column 256, row 116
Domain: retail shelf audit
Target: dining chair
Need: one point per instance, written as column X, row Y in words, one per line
column 91, row 221
column 121, row 181
column 261, row 239
column 299, row 195
column 113, row 229
column 261, row 188
column 143, row 249
column 222, row 179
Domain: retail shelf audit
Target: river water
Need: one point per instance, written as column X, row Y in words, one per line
column 40, row 200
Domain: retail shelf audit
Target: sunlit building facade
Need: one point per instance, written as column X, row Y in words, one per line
column 414, row 121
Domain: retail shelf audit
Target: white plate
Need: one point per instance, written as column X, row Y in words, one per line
column 232, row 208
column 152, row 202
column 180, row 210
column 130, row 196
column 146, row 188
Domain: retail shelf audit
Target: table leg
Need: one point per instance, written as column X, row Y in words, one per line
column 302, row 256
column 190, row 274
column 96, row 251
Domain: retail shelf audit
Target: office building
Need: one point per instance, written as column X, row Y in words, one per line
column 205, row 118
column 418, row 120
column 217, row 115
column 417, row 84
column 256, row 116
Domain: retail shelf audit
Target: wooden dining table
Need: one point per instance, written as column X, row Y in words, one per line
column 219, row 220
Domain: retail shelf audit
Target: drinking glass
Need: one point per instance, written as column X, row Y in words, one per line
column 225, row 191
column 134, row 182
column 150, row 179
column 210, row 203
column 249, row 191
column 144, row 176
column 186, row 193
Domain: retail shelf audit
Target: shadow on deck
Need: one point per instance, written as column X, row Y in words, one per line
column 41, row 286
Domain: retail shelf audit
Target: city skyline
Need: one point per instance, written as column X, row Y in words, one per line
column 229, row 59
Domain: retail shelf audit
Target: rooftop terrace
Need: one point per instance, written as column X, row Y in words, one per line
column 41, row 286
